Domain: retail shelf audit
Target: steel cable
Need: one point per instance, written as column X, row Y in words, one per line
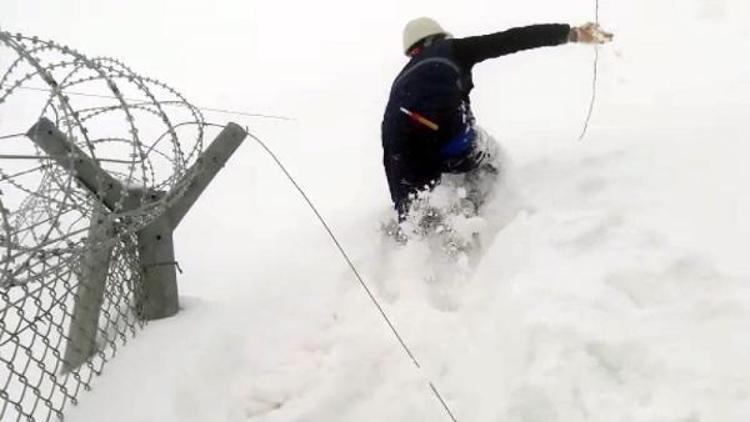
column 594, row 81
column 356, row 273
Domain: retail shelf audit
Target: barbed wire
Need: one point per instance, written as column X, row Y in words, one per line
column 40, row 200
column 52, row 223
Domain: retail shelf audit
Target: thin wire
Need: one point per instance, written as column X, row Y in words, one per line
column 594, row 83
column 15, row 135
column 597, row 11
column 356, row 272
column 49, row 157
column 214, row 110
column 242, row 113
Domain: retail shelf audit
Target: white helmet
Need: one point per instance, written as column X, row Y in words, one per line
column 419, row 29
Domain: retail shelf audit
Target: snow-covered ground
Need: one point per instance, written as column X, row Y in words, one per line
column 614, row 283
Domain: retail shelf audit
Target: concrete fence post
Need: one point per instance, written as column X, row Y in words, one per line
column 92, row 276
column 155, row 241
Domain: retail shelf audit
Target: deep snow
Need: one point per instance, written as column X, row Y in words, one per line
column 613, row 285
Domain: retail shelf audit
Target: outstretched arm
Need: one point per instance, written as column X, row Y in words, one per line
column 472, row 50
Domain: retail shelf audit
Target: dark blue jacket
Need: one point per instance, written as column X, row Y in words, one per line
column 436, row 84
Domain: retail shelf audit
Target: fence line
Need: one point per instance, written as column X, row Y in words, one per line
column 90, row 193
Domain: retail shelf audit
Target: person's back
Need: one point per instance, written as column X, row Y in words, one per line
column 431, row 86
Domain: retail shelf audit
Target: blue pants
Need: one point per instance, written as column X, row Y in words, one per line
column 408, row 174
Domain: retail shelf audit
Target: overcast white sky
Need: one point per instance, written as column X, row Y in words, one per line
column 249, row 53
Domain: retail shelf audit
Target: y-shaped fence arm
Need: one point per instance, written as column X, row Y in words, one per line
column 159, row 297
column 69, row 156
column 208, row 165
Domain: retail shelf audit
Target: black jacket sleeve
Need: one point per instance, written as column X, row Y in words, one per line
column 472, row 50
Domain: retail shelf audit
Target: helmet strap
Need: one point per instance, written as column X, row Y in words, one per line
column 424, row 43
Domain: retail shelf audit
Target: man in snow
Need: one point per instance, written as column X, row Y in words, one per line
column 428, row 128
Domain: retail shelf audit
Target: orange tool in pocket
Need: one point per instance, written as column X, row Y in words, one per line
column 420, row 119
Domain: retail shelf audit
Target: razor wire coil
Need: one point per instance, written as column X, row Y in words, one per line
column 142, row 133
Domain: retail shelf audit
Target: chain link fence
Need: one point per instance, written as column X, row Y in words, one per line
column 35, row 322
column 109, row 152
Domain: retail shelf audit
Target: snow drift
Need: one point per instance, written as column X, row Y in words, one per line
column 613, row 284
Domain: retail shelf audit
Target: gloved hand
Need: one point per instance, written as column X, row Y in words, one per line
column 589, row 33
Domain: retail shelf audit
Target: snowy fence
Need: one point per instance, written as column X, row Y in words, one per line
column 98, row 165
